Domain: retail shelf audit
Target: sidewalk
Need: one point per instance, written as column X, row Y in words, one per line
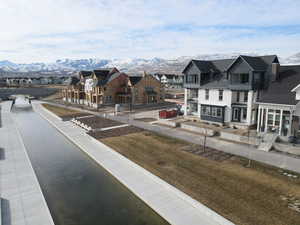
column 173, row 205
column 22, row 201
column 271, row 158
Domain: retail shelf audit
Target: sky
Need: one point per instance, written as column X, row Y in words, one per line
column 47, row 30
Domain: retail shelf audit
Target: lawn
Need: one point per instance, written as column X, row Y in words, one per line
column 258, row 195
column 63, row 112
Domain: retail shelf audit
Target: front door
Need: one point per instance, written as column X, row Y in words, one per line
column 236, row 114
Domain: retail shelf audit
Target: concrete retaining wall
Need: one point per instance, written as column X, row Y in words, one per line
column 287, row 148
column 239, row 138
column 170, row 123
column 201, row 130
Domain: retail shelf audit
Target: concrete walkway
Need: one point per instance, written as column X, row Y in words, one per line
column 22, row 201
column 173, row 205
column 271, row 158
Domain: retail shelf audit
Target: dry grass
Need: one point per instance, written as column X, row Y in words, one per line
column 246, row 196
column 63, row 112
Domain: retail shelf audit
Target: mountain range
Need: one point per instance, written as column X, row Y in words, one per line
column 137, row 65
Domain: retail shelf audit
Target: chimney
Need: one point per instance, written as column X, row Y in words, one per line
column 275, row 71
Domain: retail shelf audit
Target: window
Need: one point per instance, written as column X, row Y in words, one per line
column 206, row 110
column 206, row 94
column 244, row 114
column 244, row 78
column 192, row 79
column 246, row 96
column 237, row 96
column 219, row 112
column 211, row 111
column 220, row 95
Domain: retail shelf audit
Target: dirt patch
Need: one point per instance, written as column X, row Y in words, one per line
column 116, row 132
column 207, row 153
column 64, row 113
column 97, row 122
column 246, row 196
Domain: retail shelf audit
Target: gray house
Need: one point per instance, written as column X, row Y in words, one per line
column 225, row 91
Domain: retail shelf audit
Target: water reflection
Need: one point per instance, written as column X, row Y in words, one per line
column 77, row 190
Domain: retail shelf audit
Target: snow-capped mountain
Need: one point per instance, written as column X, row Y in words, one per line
column 294, row 59
column 137, row 65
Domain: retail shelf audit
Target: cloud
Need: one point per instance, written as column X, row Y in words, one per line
column 34, row 30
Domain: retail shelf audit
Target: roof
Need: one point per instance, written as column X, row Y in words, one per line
column 222, row 64
column 85, row 73
column 135, row 79
column 107, row 79
column 103, row 72
column 257, row 63
column 206, row 66
column 280, row 91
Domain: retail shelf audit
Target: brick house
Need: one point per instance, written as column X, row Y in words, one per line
column 146, row 89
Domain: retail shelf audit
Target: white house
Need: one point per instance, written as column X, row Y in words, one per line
column 225, row 91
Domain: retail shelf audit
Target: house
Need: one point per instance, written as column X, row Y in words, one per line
column 279, row 109
column 146, row 89
column 110, row 86
column 97, row 87
column 171, row 81
column 225, row 91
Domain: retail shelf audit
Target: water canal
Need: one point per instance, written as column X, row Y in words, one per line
column 77, row 190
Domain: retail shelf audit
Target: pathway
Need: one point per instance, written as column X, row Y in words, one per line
column 22, row 201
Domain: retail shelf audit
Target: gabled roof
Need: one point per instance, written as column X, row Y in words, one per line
column 204, row 66
column 269, row 59
column 135, row 79
column 256, row 63
column 85, row 73
column 102, row 73
column 213, row 65
column 280, row 91
column 108, row 79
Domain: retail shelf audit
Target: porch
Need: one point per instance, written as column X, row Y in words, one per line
column 277, row 119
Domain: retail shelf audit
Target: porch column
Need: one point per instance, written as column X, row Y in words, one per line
column 258, row 119
column 185, row 101
column 280, row 123
column 290, row 123
column 274, row 115
column 266, row 118
column 249, row 107
column 262, row 116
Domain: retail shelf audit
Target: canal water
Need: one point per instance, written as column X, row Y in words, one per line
column 77, row 190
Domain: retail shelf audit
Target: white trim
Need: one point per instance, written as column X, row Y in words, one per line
column 262, row 103
column 295, row 88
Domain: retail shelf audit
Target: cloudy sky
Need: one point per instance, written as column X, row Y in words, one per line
column 46, row 30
